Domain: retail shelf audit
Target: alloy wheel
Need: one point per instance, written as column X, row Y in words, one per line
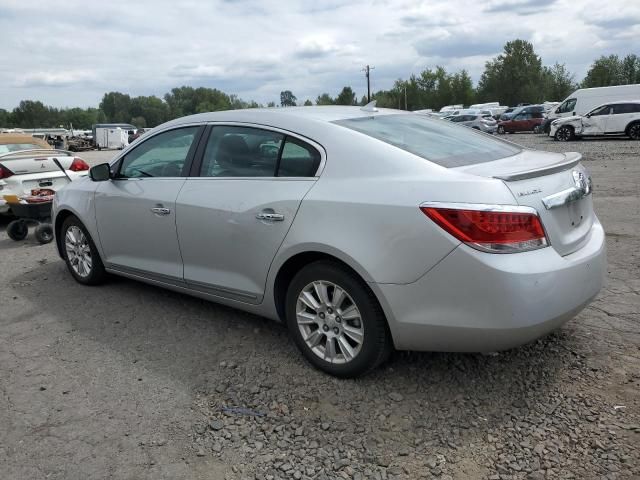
column 564, row 134
column 634, row 131
column 330, row 322
column 78, row 251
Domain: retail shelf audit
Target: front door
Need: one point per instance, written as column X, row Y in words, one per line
column 135, row 211
column 595, row 122
column 233, row 218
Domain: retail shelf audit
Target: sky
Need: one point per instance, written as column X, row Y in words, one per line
column 70, row 53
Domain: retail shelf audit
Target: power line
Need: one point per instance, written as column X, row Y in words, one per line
column 367, row 72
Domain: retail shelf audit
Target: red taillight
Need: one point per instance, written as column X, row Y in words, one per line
column 78, row 165
column 498, row 230
column 5, row 172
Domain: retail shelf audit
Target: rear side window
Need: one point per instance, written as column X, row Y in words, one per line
column 620, row 108
column 299, row 159
column 434, row 140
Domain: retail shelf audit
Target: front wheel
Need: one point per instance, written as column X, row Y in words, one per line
column 336, row 320
column 17, row 230
column 500, row 129
column 634, row 131
column 564, row 134
column 80, row 253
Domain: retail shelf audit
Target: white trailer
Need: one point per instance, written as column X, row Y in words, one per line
column 111, row 138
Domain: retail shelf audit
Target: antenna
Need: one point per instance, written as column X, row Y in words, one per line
column 370, row 107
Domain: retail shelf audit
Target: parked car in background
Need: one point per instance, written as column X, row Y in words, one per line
column 485, row 123
column 584, row 100
column 525, row 120
column 511, row 112
column 615, row 118
column 450, row 108
column 452, row 241
column 26, row 164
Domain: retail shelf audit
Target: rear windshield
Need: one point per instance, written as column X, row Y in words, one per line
column 16, row 147
column 436, row 140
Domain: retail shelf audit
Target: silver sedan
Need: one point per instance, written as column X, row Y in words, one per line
column 362, row 229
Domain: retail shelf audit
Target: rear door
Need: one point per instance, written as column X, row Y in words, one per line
column 233, row 216
column 136, row 211
column 621, row 116
column 595, row 122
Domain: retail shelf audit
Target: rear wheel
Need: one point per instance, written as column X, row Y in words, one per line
column 336, row 321
column 501, row 130
column 634, row 131
column 17, row 230
column 564, row 134
column 80, row 253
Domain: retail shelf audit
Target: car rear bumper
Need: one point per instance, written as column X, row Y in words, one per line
column 477, row 302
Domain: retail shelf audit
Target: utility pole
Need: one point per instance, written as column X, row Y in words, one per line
column 367, row 72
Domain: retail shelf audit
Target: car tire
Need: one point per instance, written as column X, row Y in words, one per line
column 501, row 130
column 80, row 253
column 17, row 230
column 633, row 131
column 44, row 233
column 564, row 134
column 343, row 347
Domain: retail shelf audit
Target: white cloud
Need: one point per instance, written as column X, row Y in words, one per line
column 256, row 48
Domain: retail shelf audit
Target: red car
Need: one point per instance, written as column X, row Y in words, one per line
column 525, row 121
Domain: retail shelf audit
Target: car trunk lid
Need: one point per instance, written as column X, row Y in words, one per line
column 21, row 163
column 556, row 185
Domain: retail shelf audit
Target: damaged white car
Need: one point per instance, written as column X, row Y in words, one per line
column 614, row 118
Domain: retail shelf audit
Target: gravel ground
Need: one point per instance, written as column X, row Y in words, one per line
column 130, row 381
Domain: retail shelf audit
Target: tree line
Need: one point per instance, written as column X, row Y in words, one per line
column 516, row 75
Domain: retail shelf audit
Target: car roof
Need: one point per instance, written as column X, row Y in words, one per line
column 618, row 102
column 20, row 138
column 276, row 115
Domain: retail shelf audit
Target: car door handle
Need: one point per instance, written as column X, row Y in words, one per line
column 270, row 216
column 161, row 210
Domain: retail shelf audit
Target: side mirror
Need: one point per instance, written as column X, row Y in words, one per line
column 588, row 115
column 100, row 173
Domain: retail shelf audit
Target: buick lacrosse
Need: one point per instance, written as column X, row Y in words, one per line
column 363, row 229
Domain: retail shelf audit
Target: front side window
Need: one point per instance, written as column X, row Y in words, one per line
column 603, row 110
column 241, row 152
column 162, row 155
column 567, row 106
column 434, row 140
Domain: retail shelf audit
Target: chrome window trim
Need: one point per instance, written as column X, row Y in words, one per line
column 482, row 207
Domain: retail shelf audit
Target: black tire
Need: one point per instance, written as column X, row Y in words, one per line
column 501, row 130
column 564, row 134
column 17, row 230
column 633, row 131
column 97, row 274
column 376, row 344
column 44, row 233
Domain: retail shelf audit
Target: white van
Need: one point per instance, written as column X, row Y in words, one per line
column 586, row 99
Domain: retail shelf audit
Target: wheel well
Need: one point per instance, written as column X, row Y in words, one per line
column 60, row 218
column 635, row 122
column 292, row 266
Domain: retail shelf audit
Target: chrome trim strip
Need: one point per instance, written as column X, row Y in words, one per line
column 222, row 291
column 159, row 277
column 539, row 172
column 483, row 207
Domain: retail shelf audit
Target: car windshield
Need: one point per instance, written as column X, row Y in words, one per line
column 439, row 142
column 16, row 147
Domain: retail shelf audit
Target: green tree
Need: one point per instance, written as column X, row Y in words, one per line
column 557, row 82
column 5, row 118
column 325, row 99
column 116, row 106
column 152, row 109
column 603, row 72
column 138, row 122
column 513, row 76
column 462, row 88
column 630, row 69
column 30, row 114
column 287, row 99
column 308, row 103
column 271, row 105
column 346, row 97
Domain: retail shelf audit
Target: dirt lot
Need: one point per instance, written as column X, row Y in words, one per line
column 130, row 381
